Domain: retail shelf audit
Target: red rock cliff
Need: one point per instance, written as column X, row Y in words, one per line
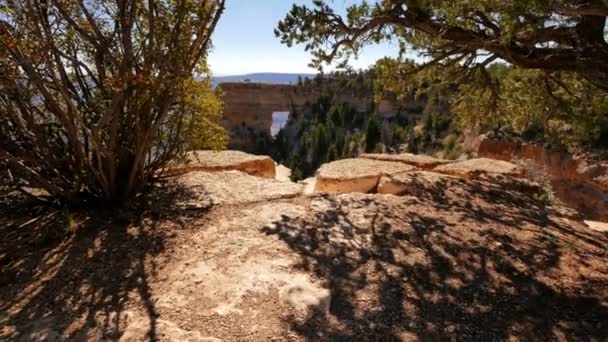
column 578, row 182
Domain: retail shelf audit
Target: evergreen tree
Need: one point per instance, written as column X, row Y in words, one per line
column 332, row 154
column 373, row 134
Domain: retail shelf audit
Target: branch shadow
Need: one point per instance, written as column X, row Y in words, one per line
column 460, row 261
column 74, row 275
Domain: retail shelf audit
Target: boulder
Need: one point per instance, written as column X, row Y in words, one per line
column 355, row 175
column 232, row 187
column 418, row 160
column 261, row 166
column 473, row 168
column 413, row 183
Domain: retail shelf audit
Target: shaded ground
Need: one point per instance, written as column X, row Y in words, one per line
column 466, row 264
column 469, row 261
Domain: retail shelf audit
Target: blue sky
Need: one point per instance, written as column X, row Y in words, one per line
column 244, row 40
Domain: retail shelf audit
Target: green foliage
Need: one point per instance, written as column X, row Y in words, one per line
column 400, row 135
column 536, row 104
column 554, row 86
column 296, row 174
column 202, row 129
column 329, row 129
column 557, row 35
column 372, row 133
column 451, row 147
column 97, row 96
column 332, row 153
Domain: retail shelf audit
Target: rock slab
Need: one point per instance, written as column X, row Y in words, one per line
column 260, row 166
column 472, row 168
column 418, row 160
column 413, row 183
column 233, row 187
column 355, row 175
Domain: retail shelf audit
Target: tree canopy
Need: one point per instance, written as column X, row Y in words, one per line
column 519, row 61
column 556, row 35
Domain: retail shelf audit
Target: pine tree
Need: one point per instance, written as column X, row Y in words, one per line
column 373, row 134
column 332, row 154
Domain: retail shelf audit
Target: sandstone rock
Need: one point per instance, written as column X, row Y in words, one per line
column 309, row 185
column 577, row 181
column 261, row 166
column 597, row 226
column 413, row 183
column 595, row 173
column 282, row 173
column 472, row 168
column 232, row 187
column 586, row 197
column 355, row 175
column 418, row 160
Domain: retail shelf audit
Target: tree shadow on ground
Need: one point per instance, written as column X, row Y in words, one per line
column 463, row 261
column 73, row 274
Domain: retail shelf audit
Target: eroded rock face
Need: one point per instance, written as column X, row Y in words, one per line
column 473, row 168
column 232, row 187
column 261, row 166
column 355, row 175
column 248, row 107
column 578, row 182
column 418, row 160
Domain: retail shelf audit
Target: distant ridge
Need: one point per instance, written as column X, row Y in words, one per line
column 263, row 77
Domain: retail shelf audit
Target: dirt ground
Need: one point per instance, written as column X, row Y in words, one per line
column 472, row 261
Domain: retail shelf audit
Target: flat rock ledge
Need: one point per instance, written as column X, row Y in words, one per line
column 232, row 187
column 418, row 160
column 355, row 175
column 260, row 166
column 414, row 183
column 473, row 168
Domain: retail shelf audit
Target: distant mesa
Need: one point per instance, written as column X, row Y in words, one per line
column 263, row 77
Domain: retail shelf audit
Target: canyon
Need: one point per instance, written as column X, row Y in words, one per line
column 248, row 107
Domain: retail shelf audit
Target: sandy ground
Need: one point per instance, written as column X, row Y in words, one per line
column 472, row 262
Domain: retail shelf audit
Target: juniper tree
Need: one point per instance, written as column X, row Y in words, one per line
column 556, row 52
column 96, row 96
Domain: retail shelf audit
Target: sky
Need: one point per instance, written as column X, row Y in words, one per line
column 244, row 40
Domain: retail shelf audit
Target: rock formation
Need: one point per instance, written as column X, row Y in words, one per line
column 472, row 168
column 355, row 175
column 577, row 181
column 248, row 107
column 262, row 166
column 391, row 173
column 414, row 183
column 233, row 187
column 417, row 160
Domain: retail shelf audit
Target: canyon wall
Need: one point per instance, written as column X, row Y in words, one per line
column 248, row 107
column 577, row 181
